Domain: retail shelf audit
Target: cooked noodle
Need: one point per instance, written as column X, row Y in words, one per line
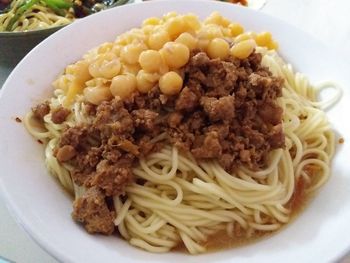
column 183, row 200
column 36, row 17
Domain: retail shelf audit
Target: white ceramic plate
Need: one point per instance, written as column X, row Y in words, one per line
column 320, row 234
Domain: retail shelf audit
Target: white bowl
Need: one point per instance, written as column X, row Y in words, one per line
column 320, row 234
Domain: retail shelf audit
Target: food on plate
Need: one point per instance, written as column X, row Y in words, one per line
column 27, row 15
column 184, row 130
column 242, row 2
column 254, row 4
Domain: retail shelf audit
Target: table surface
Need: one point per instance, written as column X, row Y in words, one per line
column 327, row 20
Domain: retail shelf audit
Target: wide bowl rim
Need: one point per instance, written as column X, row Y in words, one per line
column 43, row 31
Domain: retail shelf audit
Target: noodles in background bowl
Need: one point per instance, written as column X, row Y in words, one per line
column 28, row 15
column 175, row 198
column 35, row 17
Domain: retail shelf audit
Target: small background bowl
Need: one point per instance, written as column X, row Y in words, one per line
column 15, row 45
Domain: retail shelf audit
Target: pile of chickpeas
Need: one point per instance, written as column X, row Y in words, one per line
column 155, row 54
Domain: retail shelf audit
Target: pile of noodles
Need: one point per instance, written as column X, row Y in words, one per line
column 36, row 16
column 185, row 201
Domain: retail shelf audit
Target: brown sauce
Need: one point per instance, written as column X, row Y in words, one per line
column 221, row 240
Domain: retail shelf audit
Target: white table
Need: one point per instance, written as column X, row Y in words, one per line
column 327, row 20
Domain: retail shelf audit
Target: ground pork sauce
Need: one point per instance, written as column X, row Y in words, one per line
column 227, row 111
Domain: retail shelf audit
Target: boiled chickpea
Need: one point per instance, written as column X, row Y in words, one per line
column 203, row 44
column 216, row 18
column 170, row 83
column 150, row 60
column 157, row 39
column 164, row 68
column 192, row 21
column 218, row 48
column 236, row 29
column 131, row 69
column 91, row 55
column 148, row 29
column 151, row 21
column 226, row 32
column 146, row 81
column 63, row 82
column 94, row 68
column 210, row 31
column 169, row 15
column 134, row 35
column 130, row 53
column 97, row 82
column 123, row 39
column 272, row 45
column 243, row 49
column 80, row 70
column 96, row 95
column 105, row 66
column 188, row 40
column 175, row 54
column 175, row 26
column 123, row 85
column 116, row 49
column 104, row 48
column 245, row 36
column 242, row 37
column 110, row 69
column 263, row 39
column 151, row 77
column 137, row 35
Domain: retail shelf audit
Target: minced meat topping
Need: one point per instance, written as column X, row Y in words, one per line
column 226, row 111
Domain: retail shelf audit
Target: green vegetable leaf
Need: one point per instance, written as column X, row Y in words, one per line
column 19, row 12
column 58, row 4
